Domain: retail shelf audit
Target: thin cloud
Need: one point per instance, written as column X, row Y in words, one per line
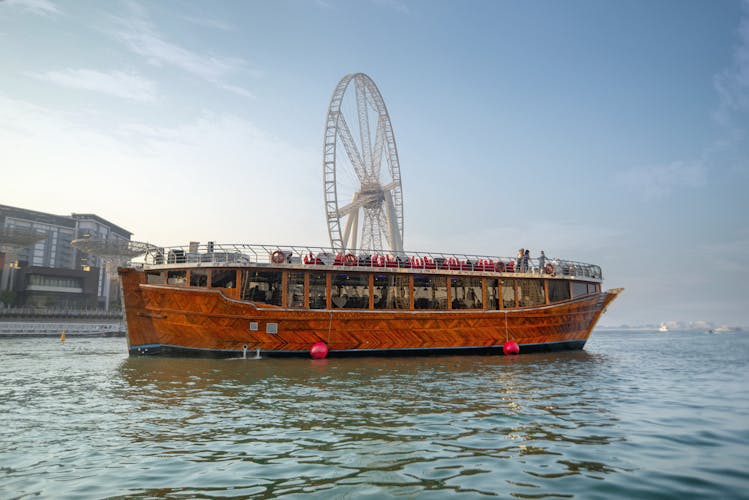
column 210, row 23
column 732, row 84
column 120, row 84
column 727, row 153
column 37, row 7
column 139, row 35
column 662, row 180
column 393, row 4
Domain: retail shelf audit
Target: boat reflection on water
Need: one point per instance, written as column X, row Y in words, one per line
column 243, row 374
column 355, row 421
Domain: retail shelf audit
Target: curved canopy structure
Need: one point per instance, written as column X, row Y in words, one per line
column 12, row 238
column 112, row 250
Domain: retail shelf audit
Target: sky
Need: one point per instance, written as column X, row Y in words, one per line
column 608, row 132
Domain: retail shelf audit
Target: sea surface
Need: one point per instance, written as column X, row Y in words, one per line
column 634, row 415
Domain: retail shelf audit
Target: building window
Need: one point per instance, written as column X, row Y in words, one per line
column 430, row 292
column 54, row 281
column 391, row 291
column 350, row 291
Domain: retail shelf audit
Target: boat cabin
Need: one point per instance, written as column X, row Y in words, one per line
column 309, row 279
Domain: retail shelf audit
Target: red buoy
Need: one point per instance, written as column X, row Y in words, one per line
column 510, row 347
column 319, row 350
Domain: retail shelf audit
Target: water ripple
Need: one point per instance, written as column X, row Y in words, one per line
column 628, row 417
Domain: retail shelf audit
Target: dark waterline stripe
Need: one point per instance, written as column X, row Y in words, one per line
column 176, row 351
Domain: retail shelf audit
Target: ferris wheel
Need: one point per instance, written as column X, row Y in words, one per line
column 363, row 200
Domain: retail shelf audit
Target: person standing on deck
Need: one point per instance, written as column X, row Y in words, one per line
column 541, row 262
column 519, row 261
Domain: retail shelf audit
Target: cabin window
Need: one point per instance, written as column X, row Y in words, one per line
column 224, row 278
column 492, row 294
column 579, row 288
column 391, row 291
column 466, row 292
column 350, row 291
column 176, row 278
column 295, row 290
column 198, row 277
column 593, row 288
column 262, row 286
column 508, row 294
column 430, row 292
column 531, row 293
column 317, row 294
column 558, row 290
column 155, row 278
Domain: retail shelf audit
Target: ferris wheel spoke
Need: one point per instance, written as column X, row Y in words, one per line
column 350, row 146
column 379, row 224
column 375, row 229
column 356, row 204
column 366, row 232
column 362, row 109
column 390, row 186
column 379, row 146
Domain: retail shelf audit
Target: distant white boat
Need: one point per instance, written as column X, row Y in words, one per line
column 725, row 329
column 663, row 328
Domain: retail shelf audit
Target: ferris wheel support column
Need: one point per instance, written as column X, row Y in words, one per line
column 350, row 231
column 5, row 275
column 396, row 244
column 107, row 284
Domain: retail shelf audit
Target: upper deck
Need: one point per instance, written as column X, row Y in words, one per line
column 322, row 258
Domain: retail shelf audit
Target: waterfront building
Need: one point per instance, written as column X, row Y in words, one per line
column 51, row 272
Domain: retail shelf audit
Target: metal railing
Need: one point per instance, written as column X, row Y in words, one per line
column 56, row 328
column 240, row 254
column 58, row 312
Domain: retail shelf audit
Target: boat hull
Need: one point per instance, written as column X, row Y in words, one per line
column 167, row 320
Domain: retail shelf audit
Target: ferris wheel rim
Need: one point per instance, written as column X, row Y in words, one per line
column 335, row 131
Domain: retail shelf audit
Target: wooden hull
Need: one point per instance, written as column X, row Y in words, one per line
column 204, row 322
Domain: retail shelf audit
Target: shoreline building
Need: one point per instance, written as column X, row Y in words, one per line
column 51, row 272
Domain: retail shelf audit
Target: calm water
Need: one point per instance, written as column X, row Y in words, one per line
column 634, row 415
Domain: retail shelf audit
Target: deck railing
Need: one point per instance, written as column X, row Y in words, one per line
column 56, row 328
column 239, row 254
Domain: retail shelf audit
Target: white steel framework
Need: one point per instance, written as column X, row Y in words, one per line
column 363, row 201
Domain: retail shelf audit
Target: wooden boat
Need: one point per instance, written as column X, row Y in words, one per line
column 226, row 300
